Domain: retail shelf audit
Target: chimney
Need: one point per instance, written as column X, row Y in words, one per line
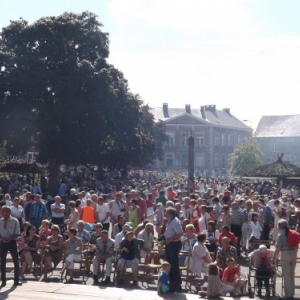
column 165, row 110
column 202, row 110
column 188, row 108
column 210, row 108
column 227, row 110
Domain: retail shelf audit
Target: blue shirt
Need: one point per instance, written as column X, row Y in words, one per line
column 173, row 228
column 38, row 210
column 163, row 277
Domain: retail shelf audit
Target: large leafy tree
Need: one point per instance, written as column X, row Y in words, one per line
column 59, row 94
column 245, row 157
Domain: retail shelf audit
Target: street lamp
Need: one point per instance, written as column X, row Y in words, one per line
column 248, row 121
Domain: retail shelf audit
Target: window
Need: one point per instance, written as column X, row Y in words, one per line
column 216, row 160
column 223, row 139
column 200, row 139
column 200, row 160
column 217, row 141
column 274, row 147
column 184, row 139
column 169, row 160
column 239, row 139
column 223, row 163
column 229, row 140
column 171, row 138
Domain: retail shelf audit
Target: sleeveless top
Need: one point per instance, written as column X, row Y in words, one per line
column 88, row 215
column 133, row 217
column 74, row 223
column 54, row 243
column 73, row 245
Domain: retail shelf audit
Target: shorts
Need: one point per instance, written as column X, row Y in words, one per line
column 130, row 262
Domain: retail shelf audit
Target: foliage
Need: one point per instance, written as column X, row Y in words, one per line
column 245, row 157
column 59, row 95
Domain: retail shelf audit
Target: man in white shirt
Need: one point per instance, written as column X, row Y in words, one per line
column 58, row 211
column 119, row 237
column 103, row 213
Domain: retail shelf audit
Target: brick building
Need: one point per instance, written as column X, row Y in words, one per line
column 279, row 134
column 216, row 133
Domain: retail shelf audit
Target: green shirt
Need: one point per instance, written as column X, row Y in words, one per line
column 161, row 200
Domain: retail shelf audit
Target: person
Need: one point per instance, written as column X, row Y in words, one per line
column 186, row 209
column 117, row 228
column 117, row 207
column 82, row 233
column 24, row 227
column 159, row 215
column 226, row 251
column 96, row 235
column 30, row 244
column 73, row 217
column 130, row 255
column 142, row 205
column 255, row 229
column 88, row 213
column 53, row 250
column 38, row 212
column 147, row 236
column 277, row 212
column 173, row 234
column 217, row 208
column 224, row 218
column 214, row 284
column 103, row 213
column 7, row 199
column 9, row 233
column 246, row 227
column 212, row 236
column 231, row 279
column 201, row 257
column 163, row 286
column 161, row 199
column 288, row 259
column 17, row 211
column 261, row 260
column 104, row 254
column 44, row 232
column 73, row 248
column 121, row 235
column 188, row 241
column 134, row 214
column 236, row 224
column 58, row 211
column 229, row 234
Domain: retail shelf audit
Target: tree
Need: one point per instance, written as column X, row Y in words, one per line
column 245, row 157
column 59, row 95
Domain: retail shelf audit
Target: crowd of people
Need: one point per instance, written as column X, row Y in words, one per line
column 216, row 223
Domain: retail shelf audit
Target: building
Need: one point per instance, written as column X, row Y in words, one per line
column 279, row 134
column 216, row 133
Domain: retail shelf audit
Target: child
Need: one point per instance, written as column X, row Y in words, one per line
column 214, row 284
column 163, row 286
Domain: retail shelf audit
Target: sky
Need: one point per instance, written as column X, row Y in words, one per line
column 237, row 54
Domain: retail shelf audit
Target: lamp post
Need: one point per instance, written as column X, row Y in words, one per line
column 248, row 121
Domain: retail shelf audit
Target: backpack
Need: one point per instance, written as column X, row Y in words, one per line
column 293, row 239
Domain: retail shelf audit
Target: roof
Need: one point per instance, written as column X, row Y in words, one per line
column 21, row 168
column 278, row 126
column 276, row 169
column 209, row 115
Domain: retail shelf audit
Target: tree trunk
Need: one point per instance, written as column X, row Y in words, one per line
column 53, row 170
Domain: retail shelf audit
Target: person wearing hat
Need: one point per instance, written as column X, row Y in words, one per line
column 119, row 237
column 288, row 259
column 261, row 260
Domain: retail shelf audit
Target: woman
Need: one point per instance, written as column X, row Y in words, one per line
column 73, row 253
column 212, row 236
column 246, row 227
column 255, row 229
column 53, row 251
column 24, row 228
column 44, row 232
column 96, row 234
column 73, row 217
column 277, row 213
column 30, row 244
column 17, row 211
column 188, row 241
column 224, row 218
column 150, row 207
column 201, row 257
column 134, row 214
column 7, row 199
column 204, row 218
column 78, row 206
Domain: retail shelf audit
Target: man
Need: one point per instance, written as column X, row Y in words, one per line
column 236, row 224
column 88, row 213
column 9, row 232
column 161, row 199
column 27, row 205
column 226, row 251
column 229, row 235
column 121, row 235
column 117, row 207
column 180, row 214
column 217, row 208
column 186, row 208
column 38, row 212
column 173, row 234
column 103, row 213
column 104, row 254
column 81, row 198
column 58, row 210
column 82, row 233
column 170, row 193
column 118, row 227
column 142, row 204
column 147, row 237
